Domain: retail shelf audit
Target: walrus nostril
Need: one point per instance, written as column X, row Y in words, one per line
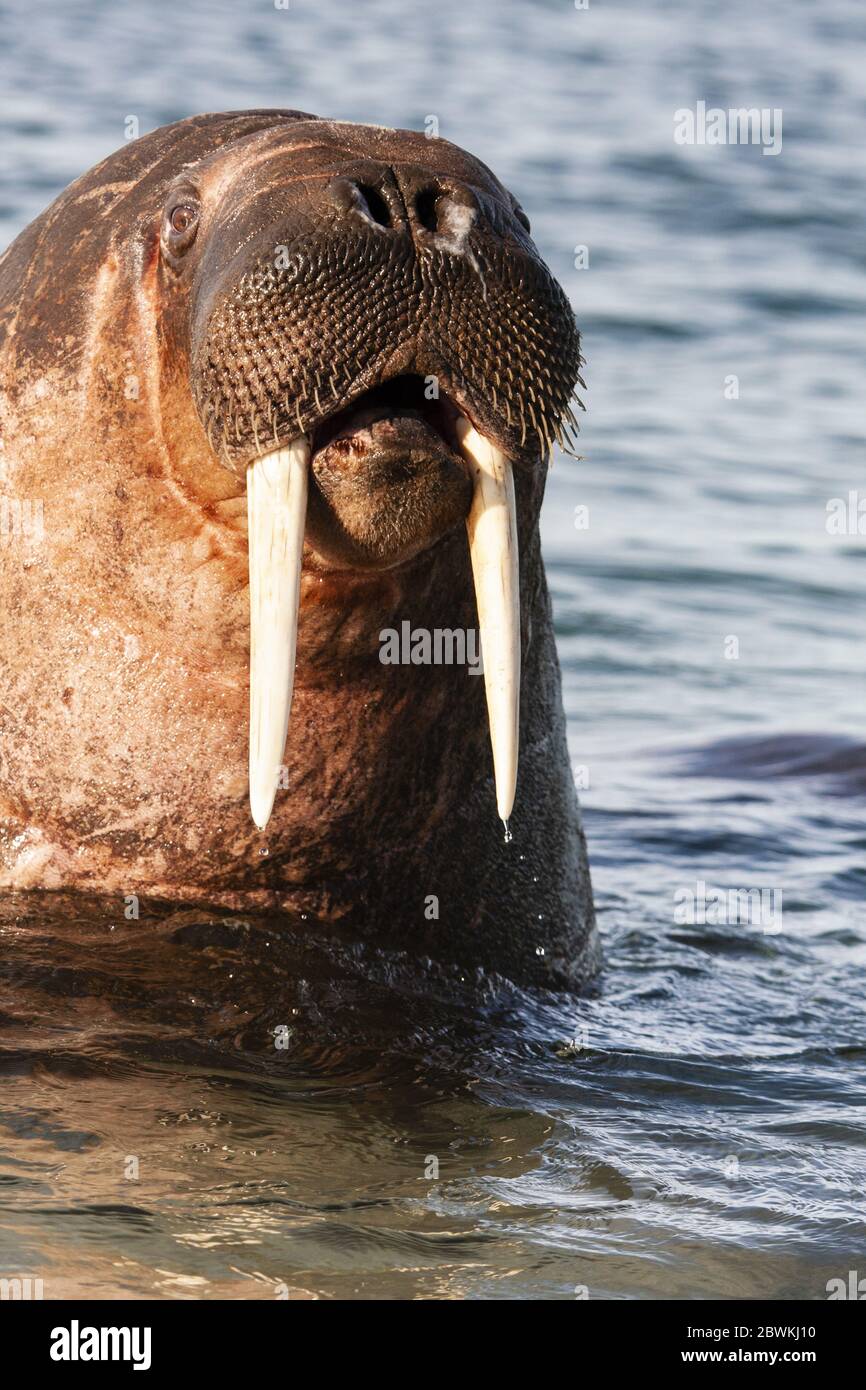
column 349, row 195
column 425, row 208
column 376, row 205
column 445, row 211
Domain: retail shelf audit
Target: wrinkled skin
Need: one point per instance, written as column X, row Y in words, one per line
column 147, row 358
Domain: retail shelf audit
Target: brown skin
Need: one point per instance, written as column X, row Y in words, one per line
column 147, row 356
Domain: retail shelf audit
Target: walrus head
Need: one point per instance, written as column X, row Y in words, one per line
column 374, row 340
column 262, row 374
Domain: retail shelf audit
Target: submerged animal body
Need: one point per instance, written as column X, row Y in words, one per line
column 271, row 389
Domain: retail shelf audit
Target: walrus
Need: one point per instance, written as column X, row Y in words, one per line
column 274, row 389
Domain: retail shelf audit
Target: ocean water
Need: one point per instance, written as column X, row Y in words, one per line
column 696, row 1128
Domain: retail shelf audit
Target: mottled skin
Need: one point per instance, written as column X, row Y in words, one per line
column 124, row 630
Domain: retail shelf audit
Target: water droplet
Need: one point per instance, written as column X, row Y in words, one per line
column 539, row 950
column 508, row 837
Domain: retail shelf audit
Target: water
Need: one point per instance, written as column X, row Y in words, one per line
column 697, row 1128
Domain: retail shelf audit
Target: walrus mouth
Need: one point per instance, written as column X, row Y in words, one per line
column 402, row 399
column 277, row 496
column 388, row 477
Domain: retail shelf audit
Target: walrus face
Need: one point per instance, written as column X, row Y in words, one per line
column 374, row 340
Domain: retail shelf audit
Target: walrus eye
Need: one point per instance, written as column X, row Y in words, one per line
column 182, row 218
column 179, row 231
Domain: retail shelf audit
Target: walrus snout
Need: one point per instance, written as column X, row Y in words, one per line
column 403, row 255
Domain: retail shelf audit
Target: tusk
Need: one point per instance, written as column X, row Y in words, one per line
column 492, row 527
column 276, row 511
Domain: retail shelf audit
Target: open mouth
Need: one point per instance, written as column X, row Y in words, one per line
column 387, row 477
column 406, row 412
column 403, row 423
